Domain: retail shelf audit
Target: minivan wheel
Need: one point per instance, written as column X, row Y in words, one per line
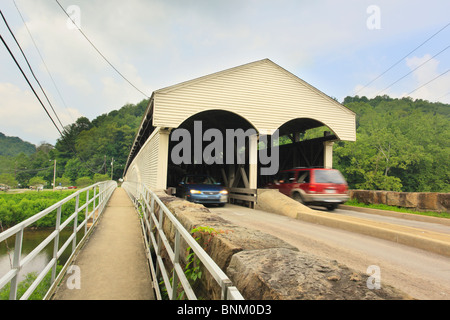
column 331, row 207
column 297, row 197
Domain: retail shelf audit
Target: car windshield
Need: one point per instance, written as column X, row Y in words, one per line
column 200, row 180
column 328, row 176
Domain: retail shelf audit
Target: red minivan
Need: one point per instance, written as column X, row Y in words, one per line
column 313, row 186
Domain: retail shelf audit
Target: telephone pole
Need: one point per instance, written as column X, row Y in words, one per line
column 112, row 167
column 54, row 176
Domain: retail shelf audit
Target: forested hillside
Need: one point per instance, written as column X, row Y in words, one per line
column 83, row 155
column 402, row 144
column 11, row 146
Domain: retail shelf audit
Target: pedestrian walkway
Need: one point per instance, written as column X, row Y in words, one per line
column 112, row 264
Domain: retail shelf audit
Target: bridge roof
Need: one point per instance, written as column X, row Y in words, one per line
column 261, row 92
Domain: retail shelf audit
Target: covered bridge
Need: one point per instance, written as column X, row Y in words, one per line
column 261, row 98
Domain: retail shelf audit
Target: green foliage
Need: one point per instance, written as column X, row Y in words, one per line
column 84, row 182
column 402, row 145
column 8, row 179
column 192, row 270
column 40, row 291
column 37, row 181
column 101, row 177
column 84, row 150
column 15, row 208
column 12, row 146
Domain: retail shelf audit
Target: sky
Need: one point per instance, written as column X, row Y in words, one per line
column 343, row 48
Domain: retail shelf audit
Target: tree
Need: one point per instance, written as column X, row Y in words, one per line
column 84, row 182
column 101, row 177
column 35, row 181
column 400, row 145
column 8, row 179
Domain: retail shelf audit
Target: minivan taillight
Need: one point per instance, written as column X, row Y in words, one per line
column 312, row 188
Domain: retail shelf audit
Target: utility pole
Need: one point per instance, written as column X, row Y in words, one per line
column 112, row 167
column 54, row 176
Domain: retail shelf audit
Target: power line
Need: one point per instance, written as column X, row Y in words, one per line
column 28, row 81
column 29, row 66
column 429, row 82
column 37, row 96
column 101, row 54
column 413, row 70
column 42, row 59
column 402, row 59
column 27, row 170
column 443, row 96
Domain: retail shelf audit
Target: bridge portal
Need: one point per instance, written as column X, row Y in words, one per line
column 257, row 101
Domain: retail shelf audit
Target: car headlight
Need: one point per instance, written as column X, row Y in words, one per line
column 195, row 192
column 224, row 192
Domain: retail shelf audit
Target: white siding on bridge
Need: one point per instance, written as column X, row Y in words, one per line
column 146, row 163
column 263, row 93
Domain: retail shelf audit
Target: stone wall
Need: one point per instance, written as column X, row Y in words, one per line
column 265, row 267
column 421, row 201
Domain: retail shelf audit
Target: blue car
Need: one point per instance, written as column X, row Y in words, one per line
column 202, row 189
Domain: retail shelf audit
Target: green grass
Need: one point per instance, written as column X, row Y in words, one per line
column 38, row 294
column 17, row 207
column 355, row 203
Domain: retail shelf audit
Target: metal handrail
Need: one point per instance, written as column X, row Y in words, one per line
column 101, row 195
column 152, row 227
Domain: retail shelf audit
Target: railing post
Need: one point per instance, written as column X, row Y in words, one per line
column 225, row 285
column 152, row 208
column 176, row 260
column 159, row 243
column 16, row 265
column 75, row 223
column 100, row 203
column 93, row 209
column 56, row 242
column 86, row 214
column 103, row 190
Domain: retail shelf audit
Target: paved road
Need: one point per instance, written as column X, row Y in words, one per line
column 421, row 274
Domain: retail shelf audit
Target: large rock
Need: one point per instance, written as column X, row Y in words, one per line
column 424, row 201
column 276, row 202
column 379, row 197
column 403, row 199
column 428, row 201
column 363, row 196
column 282, row 274
column 226, row 238
column 443, row 202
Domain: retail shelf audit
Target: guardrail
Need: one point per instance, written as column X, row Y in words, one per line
column 102, row 191
column 246, row 195
column 153, row 217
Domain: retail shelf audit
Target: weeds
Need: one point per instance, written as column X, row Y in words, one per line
column 192, row 270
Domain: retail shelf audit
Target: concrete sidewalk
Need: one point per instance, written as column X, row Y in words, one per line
column 112, row 264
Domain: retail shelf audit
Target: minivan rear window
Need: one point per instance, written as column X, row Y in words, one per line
column 328, row 176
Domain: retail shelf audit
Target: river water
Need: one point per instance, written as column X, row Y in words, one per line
column 32, row 238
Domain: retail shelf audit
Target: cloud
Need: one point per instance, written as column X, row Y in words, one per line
column 22, row 116
column 426, row 73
